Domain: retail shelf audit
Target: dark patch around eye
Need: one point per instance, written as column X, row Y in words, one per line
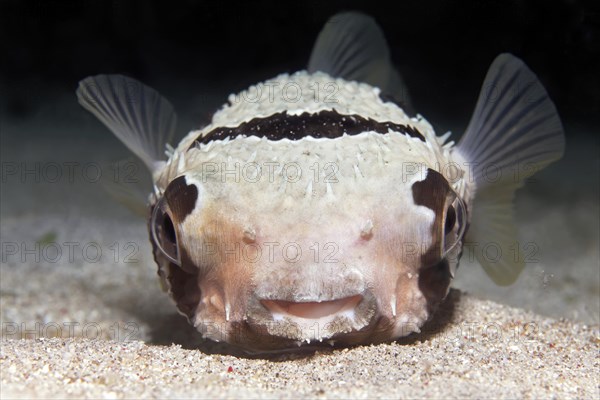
column 184, row 285
column 432, row 193
column 434, row 283
column 182, row 279
column 161, row 229
column 181, row 198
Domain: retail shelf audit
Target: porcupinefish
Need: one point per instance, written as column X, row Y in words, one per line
column 313, row 208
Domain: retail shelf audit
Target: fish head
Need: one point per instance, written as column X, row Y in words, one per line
column 363, row 257
column 272, row 263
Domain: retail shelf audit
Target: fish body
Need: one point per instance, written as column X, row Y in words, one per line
column 314, row 209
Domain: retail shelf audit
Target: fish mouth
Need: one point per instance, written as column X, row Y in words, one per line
column 272, row 323
column 312, row 310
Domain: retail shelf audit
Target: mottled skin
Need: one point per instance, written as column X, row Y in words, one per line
column 288, row 241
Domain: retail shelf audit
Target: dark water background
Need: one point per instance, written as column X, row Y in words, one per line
column 194, row 51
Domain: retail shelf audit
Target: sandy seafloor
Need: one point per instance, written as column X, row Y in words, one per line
column 119, row 336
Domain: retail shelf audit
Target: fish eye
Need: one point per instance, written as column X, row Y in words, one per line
column 168, row 229
column 450, row 220
column 454, row 225
column 163, row 231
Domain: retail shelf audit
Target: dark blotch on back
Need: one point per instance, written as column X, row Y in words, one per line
column 181, row 198
column 323, row 124
column 432, row 193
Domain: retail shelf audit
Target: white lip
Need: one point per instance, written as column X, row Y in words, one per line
column 312, row 310
column 307, row 321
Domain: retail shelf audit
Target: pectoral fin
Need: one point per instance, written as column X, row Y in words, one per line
column 137, row 114
column 515, row 131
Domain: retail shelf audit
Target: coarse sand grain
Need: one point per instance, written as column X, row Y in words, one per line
column 474, row 348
